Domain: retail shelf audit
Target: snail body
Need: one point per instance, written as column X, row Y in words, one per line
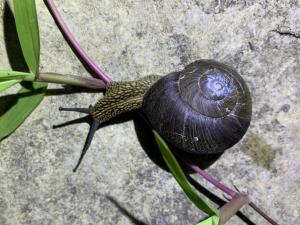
column 203, row 109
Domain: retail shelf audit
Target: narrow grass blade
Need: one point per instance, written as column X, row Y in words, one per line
column 28, row 32
column 7, row 84
column 181, row 178
column 20, row 106
column 213, row 220
column 11, row 75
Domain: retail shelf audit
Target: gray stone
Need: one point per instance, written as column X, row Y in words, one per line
column 117, row 183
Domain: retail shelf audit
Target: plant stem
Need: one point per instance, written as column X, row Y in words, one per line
column 69, row 36
column 91, row 83
column 259, row 211
column 212, row 180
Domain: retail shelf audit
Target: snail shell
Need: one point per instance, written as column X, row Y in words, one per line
column 205, row 108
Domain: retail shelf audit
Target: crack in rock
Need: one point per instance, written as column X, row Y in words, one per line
column 286, row 33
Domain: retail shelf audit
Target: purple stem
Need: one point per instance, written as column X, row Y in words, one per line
column 259, row 211
column 212, row 180
column 58, row 18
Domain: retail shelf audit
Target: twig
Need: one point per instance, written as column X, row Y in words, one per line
column 258, row 210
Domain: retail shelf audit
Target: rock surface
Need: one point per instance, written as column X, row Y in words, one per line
column 117, row 183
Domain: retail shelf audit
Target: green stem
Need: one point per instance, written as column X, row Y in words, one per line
column 91, row 83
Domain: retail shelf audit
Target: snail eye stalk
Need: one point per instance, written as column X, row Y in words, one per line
column 93, row 128
column 88, row 141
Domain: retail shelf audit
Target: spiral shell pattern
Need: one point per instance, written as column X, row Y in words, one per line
column 205, row 108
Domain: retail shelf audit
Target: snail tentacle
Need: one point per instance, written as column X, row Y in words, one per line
column 92, row 131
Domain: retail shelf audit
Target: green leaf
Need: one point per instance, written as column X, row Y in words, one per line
column 180, row 177
column 213, row 220
column 28, row 32
column 21, row 105
column 7, row 84
column 11, row 75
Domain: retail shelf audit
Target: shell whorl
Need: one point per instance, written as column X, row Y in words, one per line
column 205, row 108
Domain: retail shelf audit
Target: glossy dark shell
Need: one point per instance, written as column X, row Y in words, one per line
column 205, row 108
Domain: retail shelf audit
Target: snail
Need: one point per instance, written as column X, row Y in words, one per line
column 203, row 109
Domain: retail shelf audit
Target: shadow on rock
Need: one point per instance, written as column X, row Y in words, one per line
column 125, row 212
column 12, row 44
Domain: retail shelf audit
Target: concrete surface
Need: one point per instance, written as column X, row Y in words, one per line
column 117, row 183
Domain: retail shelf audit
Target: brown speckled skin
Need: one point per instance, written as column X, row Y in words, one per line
column 121, row 97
